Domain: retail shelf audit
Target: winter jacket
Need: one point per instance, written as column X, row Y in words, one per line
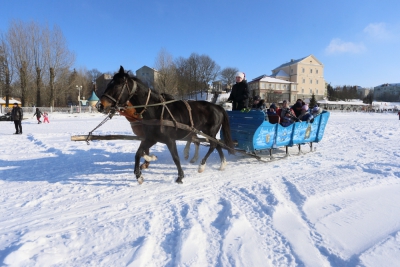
column 240, row 95
column 38, row 113
column 17, row 114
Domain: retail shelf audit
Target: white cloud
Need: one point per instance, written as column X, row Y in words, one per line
column 337, row 46
column 378, row 31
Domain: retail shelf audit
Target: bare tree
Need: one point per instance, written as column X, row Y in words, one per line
column 166, row 80
column 6, row 72
column 58, row 56
column 18, row 39
column 228, row 76
column 196, row 73
column 208, row 72
column 36, row 34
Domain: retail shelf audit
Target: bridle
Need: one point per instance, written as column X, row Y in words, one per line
column 117, row 105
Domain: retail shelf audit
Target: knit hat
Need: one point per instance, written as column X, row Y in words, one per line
column 15, row 103
column 305, row 107
column 315, row 109
column 240, row 74
column 273, row 106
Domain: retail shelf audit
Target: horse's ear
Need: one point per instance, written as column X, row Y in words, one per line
column 121, row 70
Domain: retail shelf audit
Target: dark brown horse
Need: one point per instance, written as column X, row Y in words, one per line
column 164, row 121
column 137, row 127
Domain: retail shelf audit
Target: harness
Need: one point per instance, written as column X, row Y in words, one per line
column 161, row 122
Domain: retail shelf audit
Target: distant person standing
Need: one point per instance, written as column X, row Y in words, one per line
column 240, row 93
column 46, row 117
column 17, row 115
column 38, row 114
column 398, row 113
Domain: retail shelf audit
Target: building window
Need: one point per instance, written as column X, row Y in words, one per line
column 310, row 70
column 316, row 81
column 278, row 86
column 316, row 91
column 269, row 86
column 310, row 91
column 310, row 81
column 316, row 71
column 304, row 80
column 302, row 70
column 302, row 90
column 291, row 70
column 263, row 85
column 273, row 86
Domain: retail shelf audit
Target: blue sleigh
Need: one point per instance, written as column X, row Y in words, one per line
column 252, row 133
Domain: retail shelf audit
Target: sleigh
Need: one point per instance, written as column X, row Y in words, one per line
column 253, row 134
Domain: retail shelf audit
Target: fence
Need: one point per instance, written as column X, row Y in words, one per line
column 70, row 110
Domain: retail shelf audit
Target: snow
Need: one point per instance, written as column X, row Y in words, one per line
column 65, row 203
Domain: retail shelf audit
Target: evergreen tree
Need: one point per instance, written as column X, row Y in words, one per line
column 313, row 101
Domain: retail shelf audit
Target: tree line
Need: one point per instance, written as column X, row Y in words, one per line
column 187, row 77
column 35, row 66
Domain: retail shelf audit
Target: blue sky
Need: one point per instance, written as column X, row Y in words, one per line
column 357, row 41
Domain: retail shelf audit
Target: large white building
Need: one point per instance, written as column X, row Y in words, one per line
column 303, row 77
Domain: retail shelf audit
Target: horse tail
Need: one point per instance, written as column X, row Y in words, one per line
column 226, row 132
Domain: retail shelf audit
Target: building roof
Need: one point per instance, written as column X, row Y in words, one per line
column 280, row 73
column 388, row 84
column 270, row 80
column 294, row 61
column 10, row 101
column 93, row 97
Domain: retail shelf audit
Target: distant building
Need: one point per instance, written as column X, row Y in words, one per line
column 386, row 90
column 362, row 92
column 305, row 74
column 101, row 84
column 272, row 89
column 147, row 75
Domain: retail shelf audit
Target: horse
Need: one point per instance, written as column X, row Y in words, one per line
column 135, row 120
column 167, row 121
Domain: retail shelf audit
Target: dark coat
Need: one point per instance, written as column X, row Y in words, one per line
column 240, row 95
column 17, row 114
column 38, row 113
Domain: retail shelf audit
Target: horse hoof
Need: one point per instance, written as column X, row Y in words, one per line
column 223, row 165
column 179, row 181
column 145, row 165
column 201, row 168
column 140, row 180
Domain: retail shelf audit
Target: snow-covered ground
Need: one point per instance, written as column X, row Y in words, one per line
column 65, row 203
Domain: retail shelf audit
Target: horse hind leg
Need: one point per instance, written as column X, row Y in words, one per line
column 222, row 157
column 186, row 150
column 202, row 165
column 196, row 152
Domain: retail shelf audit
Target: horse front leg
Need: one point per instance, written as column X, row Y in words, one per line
column 174, row 153
column 147, row 159
column 144, row 146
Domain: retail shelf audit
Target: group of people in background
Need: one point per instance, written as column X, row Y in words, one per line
column 17, row 115
column 39, row 114
column 300, row 111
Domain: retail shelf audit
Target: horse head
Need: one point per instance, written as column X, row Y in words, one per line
column 118, row 92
